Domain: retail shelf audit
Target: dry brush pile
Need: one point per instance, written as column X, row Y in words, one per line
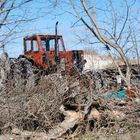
column 59, row 104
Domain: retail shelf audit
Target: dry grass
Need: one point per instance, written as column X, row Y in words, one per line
column 101, row 136
column 33, row 104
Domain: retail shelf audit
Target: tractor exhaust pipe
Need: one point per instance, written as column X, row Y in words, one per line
column 56, row 42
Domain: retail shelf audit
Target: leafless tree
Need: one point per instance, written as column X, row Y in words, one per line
column 12, row 14
column 111, row 25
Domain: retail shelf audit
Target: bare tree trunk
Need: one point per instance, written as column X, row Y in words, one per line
column 95, row 29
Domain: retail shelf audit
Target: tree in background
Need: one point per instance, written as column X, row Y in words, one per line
column 114, row 24
column 13, row 13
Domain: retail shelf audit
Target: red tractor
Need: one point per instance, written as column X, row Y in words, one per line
column 48, row 52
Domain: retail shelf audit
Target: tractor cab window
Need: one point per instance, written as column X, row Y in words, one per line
column 28, row 45
column 35, row 46
column 45, row 44
column 59, row 44
column 49, row 44
column 60, row 47
column 52, row 44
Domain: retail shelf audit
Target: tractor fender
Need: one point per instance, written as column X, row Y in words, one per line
column 27, row 58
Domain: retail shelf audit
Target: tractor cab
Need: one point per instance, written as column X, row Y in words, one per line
column 48, row 52
column 44, row 50
column 37, row 43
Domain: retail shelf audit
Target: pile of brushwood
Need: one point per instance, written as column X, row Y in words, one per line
column 61, row 105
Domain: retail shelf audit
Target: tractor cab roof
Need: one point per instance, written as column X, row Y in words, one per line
column 42, row 36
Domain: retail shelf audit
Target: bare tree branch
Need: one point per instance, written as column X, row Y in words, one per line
column 14, row 7
column 112, row 42
column 124, row 24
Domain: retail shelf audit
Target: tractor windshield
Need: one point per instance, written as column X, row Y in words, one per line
column 48, row 44
column 45, row 44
